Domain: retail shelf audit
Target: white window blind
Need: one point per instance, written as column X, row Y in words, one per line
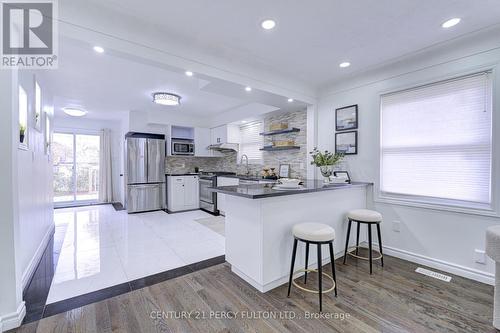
column 436, row 141
column 251, row 141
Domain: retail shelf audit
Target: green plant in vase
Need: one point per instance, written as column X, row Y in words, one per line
column 325, row 161
column 22, row 132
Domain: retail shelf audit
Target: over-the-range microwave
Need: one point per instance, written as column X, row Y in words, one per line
column 182, row 147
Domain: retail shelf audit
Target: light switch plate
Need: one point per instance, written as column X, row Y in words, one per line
column 479, row 256
column 396, row 226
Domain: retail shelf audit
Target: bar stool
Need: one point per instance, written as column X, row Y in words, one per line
column 368, row 217
column 318, row 234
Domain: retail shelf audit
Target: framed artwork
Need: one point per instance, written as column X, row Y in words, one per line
column 23, row 119
column 284, row 171
column 346, row 143
column 38, row 107
column 346, row 118
column 343, row 175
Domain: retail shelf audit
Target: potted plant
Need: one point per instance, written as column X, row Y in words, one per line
column 22, row 132
column 325, row 161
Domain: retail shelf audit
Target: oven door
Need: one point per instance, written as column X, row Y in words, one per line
column 206, row 196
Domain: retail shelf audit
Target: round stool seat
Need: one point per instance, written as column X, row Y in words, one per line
column 314, row 232
column 364, row 215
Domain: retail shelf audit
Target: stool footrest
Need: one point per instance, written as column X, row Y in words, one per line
column 311, row 290
column 352, row 249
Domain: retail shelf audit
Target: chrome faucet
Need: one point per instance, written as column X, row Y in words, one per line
column 241, row 162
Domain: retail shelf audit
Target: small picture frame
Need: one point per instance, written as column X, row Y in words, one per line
column 343, row 175
column 346, row 118
column 346, row 143
column 284, row 171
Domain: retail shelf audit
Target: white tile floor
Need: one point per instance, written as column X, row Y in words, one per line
column 103, row 247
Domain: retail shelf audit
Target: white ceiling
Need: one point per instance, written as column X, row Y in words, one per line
column 311, row 37
column 108, row 85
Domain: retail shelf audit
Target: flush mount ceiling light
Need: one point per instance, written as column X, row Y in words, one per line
column 164, row 98
column 74, row 112
column 451, row 22
column 345, row 64
column 98, row 49
column 268, row 24
column 189, row 73
column 290, row 100
column 248, row 89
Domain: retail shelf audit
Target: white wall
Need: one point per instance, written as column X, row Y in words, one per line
column 67, row 123
column 36, row 222
column 441, row 239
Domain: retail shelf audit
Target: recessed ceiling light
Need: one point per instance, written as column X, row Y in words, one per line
column 268, row 24
column 345, row 64
column 450, row 23
column 74, row 112
column 98, row 49
column 189, row 73
column 290, row 100
column 248, row 88
column 243, row 121
column 164, row 98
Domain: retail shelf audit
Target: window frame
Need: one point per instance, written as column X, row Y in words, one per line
column 251, row 161
column 444, row 204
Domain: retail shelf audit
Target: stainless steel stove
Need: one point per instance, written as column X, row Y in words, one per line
column 208, row 199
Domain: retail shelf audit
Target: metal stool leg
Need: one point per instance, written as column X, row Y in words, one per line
column 370, row 244
column 291, row 266
column 347, row 240
column 357, row 237
column 380, row 245
column 332, row 263
column 307, row 261
column 320, row 278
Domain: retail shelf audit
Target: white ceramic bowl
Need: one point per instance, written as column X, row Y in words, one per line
column 289, row 182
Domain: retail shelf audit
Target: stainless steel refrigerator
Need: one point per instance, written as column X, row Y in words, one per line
column 145, row 172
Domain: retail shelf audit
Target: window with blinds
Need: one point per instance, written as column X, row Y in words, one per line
column 251, row 142
column 436, row 142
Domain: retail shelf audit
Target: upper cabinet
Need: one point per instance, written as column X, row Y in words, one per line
column 224, row 134
column 202, row 139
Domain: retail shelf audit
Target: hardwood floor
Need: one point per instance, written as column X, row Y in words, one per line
column 393, row 299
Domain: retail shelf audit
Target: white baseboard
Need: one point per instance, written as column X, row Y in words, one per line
column 28, row 273
column 14, row 319
column 442, row 265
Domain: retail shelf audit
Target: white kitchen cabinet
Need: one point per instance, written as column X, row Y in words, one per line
column 202, row 139
column 224, row 134
column 221, row 198
column 183, row 193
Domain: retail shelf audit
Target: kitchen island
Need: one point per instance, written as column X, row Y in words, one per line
column 259, row 221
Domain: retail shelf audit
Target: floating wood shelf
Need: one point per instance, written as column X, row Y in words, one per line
column 283, row 131
column 279, row 148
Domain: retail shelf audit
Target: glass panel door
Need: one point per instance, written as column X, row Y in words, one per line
column 76, row 168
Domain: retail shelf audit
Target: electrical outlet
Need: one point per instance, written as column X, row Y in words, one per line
column 479, row 256
column 396, row 226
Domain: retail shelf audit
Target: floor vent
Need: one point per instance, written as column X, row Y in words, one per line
column 435, row 275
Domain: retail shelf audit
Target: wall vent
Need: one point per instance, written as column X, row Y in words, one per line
column 435, row 275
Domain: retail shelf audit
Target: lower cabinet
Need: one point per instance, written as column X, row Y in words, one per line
column 183, row 193
column 221, row 198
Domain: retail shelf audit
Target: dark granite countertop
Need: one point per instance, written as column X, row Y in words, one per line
column 244, row 177
column 259, row 191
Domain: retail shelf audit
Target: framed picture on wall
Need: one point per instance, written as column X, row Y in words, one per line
column 346, row 143
column 346, row 118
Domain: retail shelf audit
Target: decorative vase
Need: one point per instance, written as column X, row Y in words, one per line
column 21, row 138
column 326, row 172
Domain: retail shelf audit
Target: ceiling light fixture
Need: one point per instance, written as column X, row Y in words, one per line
column 268, row 24
column 74, row 112
column 189, row 73
column 345, row 64
column 248, row 89
column 290, row 100
column 164, row 98
column 451, row 22
column 98, row 49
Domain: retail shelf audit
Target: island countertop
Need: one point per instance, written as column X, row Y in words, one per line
column 260, row 191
